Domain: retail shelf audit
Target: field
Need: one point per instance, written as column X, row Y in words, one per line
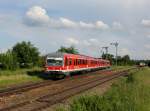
column 131, row 93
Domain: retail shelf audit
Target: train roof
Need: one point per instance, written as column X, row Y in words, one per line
column 60, row 54
column 55, row 54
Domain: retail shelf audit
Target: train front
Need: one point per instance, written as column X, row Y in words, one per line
column 54, row 63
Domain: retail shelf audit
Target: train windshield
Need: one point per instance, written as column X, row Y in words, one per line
column 55, row 62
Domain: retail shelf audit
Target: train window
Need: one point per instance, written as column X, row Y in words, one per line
column 74, row 62
column 70, row 61
column 78, row 62
column 55, row 62
column 81, row 61
column 84, row 62
column 66, row 62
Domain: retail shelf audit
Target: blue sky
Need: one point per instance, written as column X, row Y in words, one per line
column 87, row 24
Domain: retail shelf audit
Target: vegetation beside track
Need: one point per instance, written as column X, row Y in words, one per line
column 131, row 93
column 20, row 76
column 120, row 67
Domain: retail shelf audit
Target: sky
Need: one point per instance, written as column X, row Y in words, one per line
column 88, row 25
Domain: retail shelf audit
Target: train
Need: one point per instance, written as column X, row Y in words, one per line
column 58, row 63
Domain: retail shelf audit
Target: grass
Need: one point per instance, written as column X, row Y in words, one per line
column 120, row 67
column 131, row 93
column 18, row 71
column 20, row 76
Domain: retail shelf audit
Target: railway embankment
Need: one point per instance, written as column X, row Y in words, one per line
column 130, row 93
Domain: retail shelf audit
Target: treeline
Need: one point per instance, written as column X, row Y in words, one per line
column 26, row 55
column 123, row 60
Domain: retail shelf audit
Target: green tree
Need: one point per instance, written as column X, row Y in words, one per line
column 126, row 59
column 70, row 50
column 27, row 54
column 41, row 61
column 110, row 57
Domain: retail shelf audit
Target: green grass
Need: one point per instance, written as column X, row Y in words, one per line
column 18, row 71
column 120, row 67
column 131, row 93
column 9, row 78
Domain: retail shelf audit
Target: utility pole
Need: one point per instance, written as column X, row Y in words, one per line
column 116, row 45
column 106, row 48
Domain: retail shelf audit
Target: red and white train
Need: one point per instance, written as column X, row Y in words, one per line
column 64, row 63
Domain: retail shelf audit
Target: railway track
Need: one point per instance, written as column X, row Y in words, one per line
column 46, row 101
column 27, row 87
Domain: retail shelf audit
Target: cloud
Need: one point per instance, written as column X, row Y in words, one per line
column 91, row 42
column 72, row 41
column 68, row 23
column 86, row 25
column 145, row 23
column 96, row 25
column 37, row 15
column 101, row 25
column 117, row 26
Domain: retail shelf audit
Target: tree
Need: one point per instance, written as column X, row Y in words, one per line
column 110, row 57
column 70, row 50
column 41, row 61
column 126, row 59
column 27, row 54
